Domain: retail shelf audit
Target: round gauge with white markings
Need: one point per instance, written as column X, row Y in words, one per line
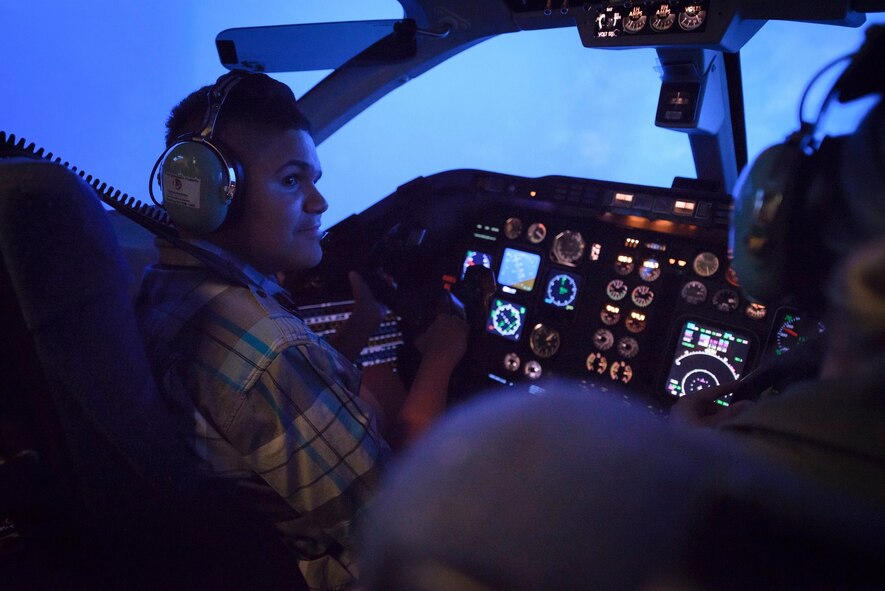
column 692, row 16
column 603, row 339
column 544, row 341
column 642, row 296
column 537, row 232
column 755, row 311
column 627, row 347
column 650, row 270
column 533, row 370
column 616, row 289
column 635, row 322
column 705, row 264
column 635, row 20
column 663, row 17
column 726, row 300
column 568, row 248
column 513, row 228
column 610, row 315
column 624, row 264
column 694, row 292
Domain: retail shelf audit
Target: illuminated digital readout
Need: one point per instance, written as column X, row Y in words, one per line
column 519, row 269
column 706, row 357
column 506, row 319
column 474, row 257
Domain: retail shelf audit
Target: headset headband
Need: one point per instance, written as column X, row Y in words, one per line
column 216, row 97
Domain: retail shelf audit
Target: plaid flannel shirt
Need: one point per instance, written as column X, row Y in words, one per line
column 265, row 401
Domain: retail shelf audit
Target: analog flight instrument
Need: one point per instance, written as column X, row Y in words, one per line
column 597, row 362
column 533, row 370
column 726, row 300
column 692, row 17
column 642, row 296
column 624, row 264
column 628, row 347
column 568, row 248
column 650, row 270
column 616, row 290
column 705, row 264
column 792, row 329
column 603, row 339
column 621, row 371
column 610, row 315
column 694, row 292
column 663, row 18
column 635, row 322
column 544, row 341
column 635, row 20
column 537, row 232
column 513, row 228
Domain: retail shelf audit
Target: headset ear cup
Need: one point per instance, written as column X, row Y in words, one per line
column 763, row 223
column 196, row 186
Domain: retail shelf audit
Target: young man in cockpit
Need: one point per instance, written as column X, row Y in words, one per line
column 265, row 401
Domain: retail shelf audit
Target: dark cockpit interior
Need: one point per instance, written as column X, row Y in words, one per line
column 626, row 291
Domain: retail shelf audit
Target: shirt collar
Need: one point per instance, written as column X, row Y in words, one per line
column 202, row 253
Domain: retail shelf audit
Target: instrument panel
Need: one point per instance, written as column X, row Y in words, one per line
column 623, row 288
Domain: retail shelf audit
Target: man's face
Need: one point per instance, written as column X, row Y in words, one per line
column 279, row 229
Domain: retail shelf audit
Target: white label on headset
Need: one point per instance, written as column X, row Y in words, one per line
column 181, row 190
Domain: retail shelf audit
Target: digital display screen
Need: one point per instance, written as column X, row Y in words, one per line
column 475, row 257
column 506, row 319
column 519, row 269
column 705, row 357
column 562, row 289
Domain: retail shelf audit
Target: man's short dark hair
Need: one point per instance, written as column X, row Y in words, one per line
column 257, row 99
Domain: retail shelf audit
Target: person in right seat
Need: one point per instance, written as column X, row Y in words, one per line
column 830, row 427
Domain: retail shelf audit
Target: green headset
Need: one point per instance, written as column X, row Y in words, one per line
column 792, row 201
column 199, row 178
